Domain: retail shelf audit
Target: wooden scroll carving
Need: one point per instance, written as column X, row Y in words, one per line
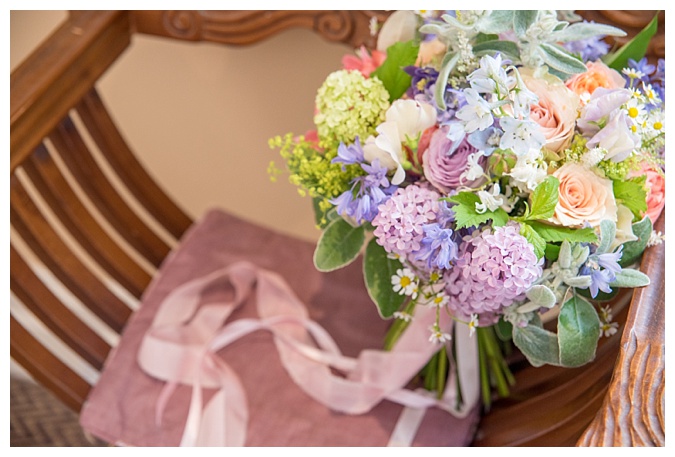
column 633, row 412
column 247, row 27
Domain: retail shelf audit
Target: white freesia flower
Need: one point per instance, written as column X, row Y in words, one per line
column 489, row 200
column 624, row 227
column 411, row 116
column 405, row 121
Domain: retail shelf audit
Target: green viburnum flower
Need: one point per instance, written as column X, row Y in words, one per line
column 349, row 105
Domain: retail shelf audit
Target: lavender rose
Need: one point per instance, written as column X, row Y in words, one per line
column 443, row 166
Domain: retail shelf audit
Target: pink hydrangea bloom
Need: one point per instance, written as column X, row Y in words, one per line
column 365, row 63
column 400, row 220
column 495, row 268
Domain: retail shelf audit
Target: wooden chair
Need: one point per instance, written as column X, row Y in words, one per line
column 89, row 227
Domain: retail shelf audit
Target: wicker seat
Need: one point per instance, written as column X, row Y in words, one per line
column 89, row 227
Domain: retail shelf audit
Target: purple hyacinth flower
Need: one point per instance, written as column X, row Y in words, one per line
column 366, row 194
column 602, row 268
column 348, row 155
column 438, row 247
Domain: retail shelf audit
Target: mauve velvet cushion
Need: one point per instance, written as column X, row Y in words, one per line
column 120, row 408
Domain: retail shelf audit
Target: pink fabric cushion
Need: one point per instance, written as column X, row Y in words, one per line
column 121, row 407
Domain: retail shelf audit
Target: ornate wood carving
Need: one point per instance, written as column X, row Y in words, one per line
column 247, row 27
column 633, row 412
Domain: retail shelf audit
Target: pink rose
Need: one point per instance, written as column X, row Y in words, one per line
column 442, row 168
column 556, row 110
column 656, row 190
column 597, row 75
column 583, row 197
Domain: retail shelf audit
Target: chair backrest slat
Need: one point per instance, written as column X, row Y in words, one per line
column 84, row 169
column 50, row 248
column 46, row 368
column 140, row 184
column 58, row 318
column 72, row 213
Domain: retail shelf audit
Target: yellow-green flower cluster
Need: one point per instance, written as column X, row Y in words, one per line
column 311, row 169
column 349, row 105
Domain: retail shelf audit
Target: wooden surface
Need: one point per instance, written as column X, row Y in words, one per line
column 84, row 209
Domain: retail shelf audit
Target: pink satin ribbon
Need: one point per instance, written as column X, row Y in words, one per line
column 182, row 343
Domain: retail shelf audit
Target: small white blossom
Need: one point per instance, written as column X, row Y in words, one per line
column 490, row 77
column 473, row 169
column 403, row 316
column 489, row 200
column 437, row 336
column 473, row 323
column 529, row 171
column 632, row 73
column 592, row 157
column 477, row 113
column 651, row 95
column 373, row 26
column 609, row 328
column 521, row 135
column 655, row 238
column 405, row 282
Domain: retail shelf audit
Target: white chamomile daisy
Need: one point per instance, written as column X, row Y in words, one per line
column 405, row 282
column 437, row 336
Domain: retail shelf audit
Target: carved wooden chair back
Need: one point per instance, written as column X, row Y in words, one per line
column 89, row 228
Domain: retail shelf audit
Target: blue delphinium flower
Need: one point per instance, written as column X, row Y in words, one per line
column 486, row 140
column 644, row 67
column 602, row 268
column 589, row 49
column 438, row 247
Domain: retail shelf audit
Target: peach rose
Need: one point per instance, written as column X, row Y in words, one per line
column 583, row 197
column 556, row 110
column 597, row 75
column 430, row 51
column 656, row 190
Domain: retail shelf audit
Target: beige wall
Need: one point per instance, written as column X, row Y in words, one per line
column 199, row 116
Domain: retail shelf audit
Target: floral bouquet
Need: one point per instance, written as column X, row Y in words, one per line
column 502, row 167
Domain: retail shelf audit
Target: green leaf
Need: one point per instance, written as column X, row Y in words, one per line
column 583, row 30
column 559, row 59
column 555, row 233
column 534, row 239
column 466, row 215
column 632, row 250
column 395, row 80
column 551, row 252
column 499, row 21
column 449, row 61
column 630, row 278
column 338, row 246
column 508, row 48
column 633, row 194
column 538, row 345
column 541, row 295
column 635, row 49
column 544, row 199
column 537, row 242
column 504, row 329
column 377, row 272
column 483, row 37
column 607, row 234
column 578, row 332
column 522, row 20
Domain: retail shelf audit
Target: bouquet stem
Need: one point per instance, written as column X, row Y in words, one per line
column 494, row 371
